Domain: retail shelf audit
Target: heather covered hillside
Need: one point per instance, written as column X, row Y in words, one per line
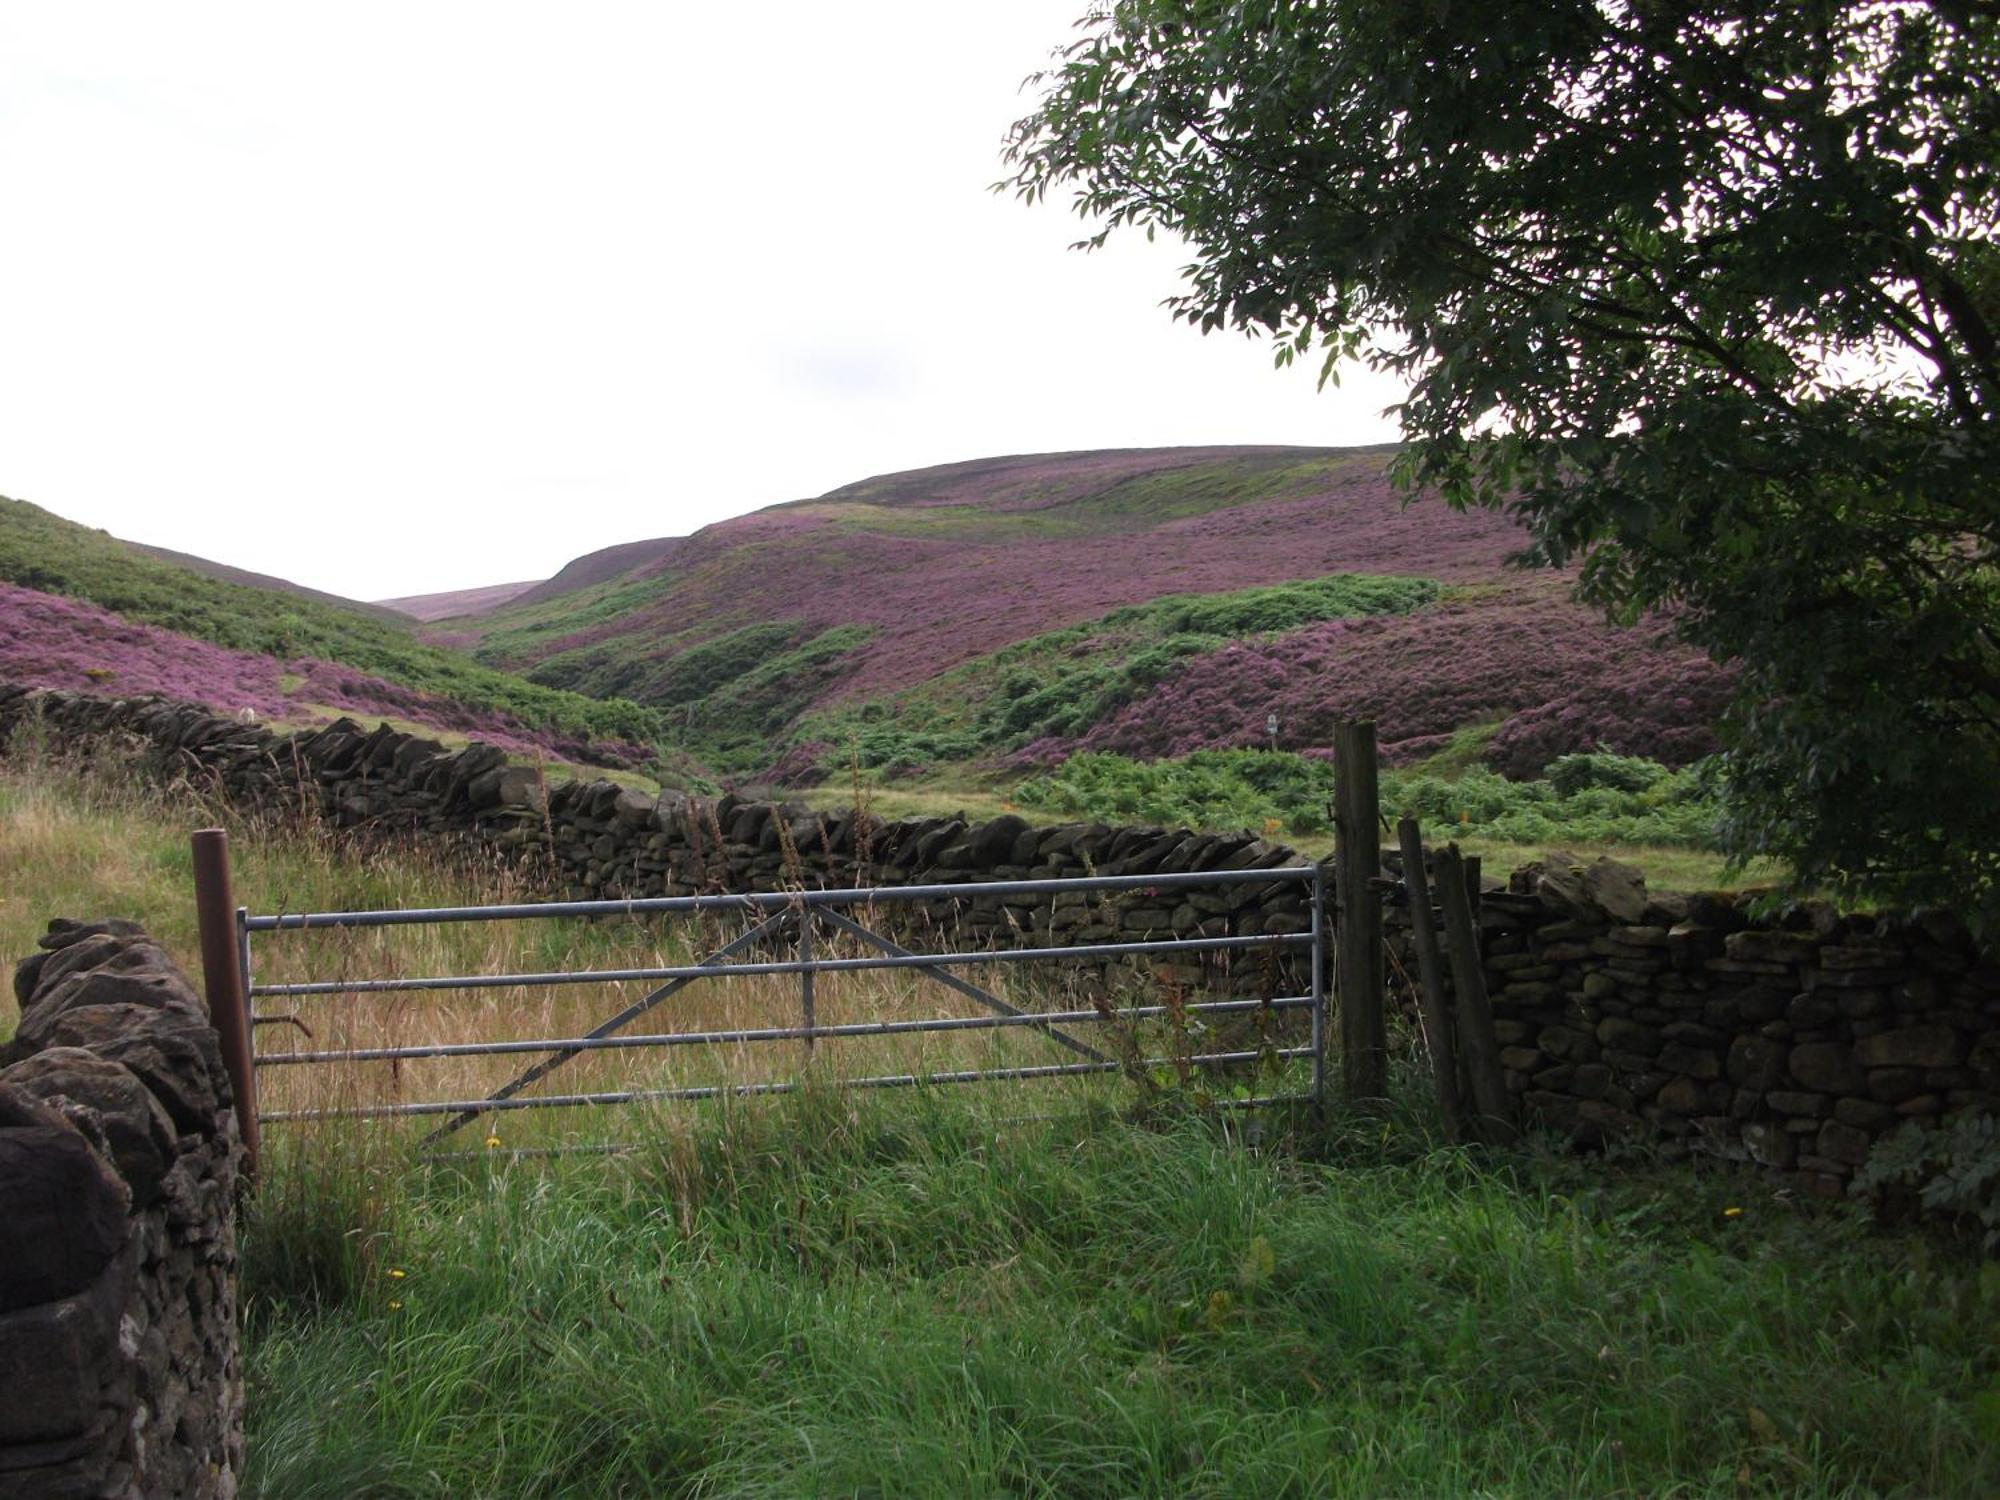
column 980, row 622
column 996, row 614
column 48, row 641
column 81, row 609
column 1553, row 680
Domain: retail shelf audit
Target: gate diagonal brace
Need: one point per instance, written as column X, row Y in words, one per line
column 964, row 987
column 624, row 1018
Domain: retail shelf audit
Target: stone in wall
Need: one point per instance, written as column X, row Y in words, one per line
column 120, row 1375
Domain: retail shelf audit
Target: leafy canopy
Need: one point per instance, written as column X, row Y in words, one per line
column 1707, row 293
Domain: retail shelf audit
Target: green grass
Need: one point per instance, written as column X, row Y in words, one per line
column 575, row 610
column 1666, row 868
column 845, row 1296
column 1154, row 498
column 1036, row 512
column 42, row 551
column 731, row 700
column 84, row 838
column 517, row 637
column 968, row 797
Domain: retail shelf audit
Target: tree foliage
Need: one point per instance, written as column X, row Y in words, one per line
column 1707, row 293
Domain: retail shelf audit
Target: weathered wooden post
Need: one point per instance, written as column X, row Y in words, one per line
column 1357, row 854
column 1469, row 1000
column 217, row 920
column 1432, row 1003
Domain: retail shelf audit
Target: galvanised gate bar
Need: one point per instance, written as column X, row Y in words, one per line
column 795, row 916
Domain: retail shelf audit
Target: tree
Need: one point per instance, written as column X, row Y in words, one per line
column 1706, row 293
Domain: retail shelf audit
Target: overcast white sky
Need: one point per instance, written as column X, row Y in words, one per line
column 393, row 298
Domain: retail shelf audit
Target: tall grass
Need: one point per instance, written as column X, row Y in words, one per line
column 90, row 838
column 1006, row 1292
column 848, row 1296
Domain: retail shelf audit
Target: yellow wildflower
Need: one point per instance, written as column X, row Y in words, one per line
column 1732, row 1213
column 493, row 1143
column 397, row 1273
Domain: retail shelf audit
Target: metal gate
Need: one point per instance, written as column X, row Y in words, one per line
column 790, row 922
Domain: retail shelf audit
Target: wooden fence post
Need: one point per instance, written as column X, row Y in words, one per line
column 1357, row 854
column 1432, row 1004
column 222, row 979
column 1474, row 1009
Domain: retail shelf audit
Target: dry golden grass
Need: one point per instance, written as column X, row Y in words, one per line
column 344, row 1022
column 91, row 841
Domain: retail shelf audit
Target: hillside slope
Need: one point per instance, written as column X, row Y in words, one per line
column 430, row 607
column 939, row 569
column 602, row 566
column 84, row 605
column 979, row 613
column 229, row 574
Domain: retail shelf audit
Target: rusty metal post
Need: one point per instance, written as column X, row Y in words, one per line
column 222, row 977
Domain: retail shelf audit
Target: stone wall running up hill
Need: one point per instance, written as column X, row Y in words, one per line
column 119, row 1159
column 1795, row 1042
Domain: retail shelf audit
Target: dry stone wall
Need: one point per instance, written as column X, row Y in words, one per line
column 1793, row 1042
column 1795, row 1046
column 598, row 839
column 119, row 1159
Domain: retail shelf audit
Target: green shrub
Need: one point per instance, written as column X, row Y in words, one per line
column 1249, row 788
column 1954, row 1169
column 1570, row 774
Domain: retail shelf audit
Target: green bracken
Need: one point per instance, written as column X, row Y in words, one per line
column 1588, row 799
column 1064, row 681
column 742, row 694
